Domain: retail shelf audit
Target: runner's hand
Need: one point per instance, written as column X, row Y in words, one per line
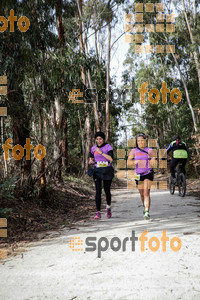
column 98, row 150
column 91, row 160
column 153, row 162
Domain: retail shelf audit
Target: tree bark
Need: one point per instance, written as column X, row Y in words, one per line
column 186, row 91
column 21, row 127
column 108, row 82
column 57, row 124
column 86, row 146
column 96, row 117
column 59, row 22
column 187, row 94
column 60, row 124
column 195, row 53
column 82, row 142
column 43, row 177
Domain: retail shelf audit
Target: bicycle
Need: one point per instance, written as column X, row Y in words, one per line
column 180, row 182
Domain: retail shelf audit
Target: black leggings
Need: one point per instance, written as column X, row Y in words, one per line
column 174, row 163
column 107, row 185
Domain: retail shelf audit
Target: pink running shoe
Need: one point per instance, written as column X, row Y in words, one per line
column 109, row 213
column 98, row 215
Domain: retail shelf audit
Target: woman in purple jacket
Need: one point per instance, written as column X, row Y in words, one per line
column 144, row 161
column 102, row 155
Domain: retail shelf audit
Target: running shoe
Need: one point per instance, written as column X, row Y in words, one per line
column 98, row 215
column 143, row 210
column 108, row 213
column 146, row 215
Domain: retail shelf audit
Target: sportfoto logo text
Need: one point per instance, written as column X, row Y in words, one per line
column 23, row 23
column 116, row 95
column 18, row 150
column 102, row 244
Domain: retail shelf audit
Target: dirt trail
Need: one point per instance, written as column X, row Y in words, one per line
column 49, row 269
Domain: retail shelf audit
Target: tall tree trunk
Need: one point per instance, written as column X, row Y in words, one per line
column 43, row 178
column 87, row 145
column 195, row 11
column 82, row 142
column 64, row 146
column 96, row 47
column 96, row 117
column 95, row 34
column 57, row 124
column 40, row 110
column 186, row 91
column 108, row 81
column 2, row 142
column 195, row 51
column 88, row 140
column 60, row 124
column 187, row 94
column 59, row 22
column 21, row 127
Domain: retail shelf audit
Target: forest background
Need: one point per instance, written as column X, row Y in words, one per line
column 44, row 64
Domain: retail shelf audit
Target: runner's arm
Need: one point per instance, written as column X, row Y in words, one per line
column 169, row 148
column 152, row 160
column 91, row 159
column 108, row 157
column 130, row 161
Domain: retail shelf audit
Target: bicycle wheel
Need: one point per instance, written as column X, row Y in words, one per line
column 182, row 185
column 171, row 185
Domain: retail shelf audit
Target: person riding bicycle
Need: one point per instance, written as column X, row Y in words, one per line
column 180, row 155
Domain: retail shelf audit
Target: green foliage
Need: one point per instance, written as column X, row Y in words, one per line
column 4, row 212
column 163, row 121
column 7, row 188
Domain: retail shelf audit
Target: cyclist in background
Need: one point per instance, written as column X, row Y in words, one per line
column 180, row 155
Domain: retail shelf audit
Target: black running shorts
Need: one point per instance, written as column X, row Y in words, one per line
column 149, row 176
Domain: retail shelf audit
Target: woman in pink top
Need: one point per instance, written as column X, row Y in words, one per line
column 144, row 158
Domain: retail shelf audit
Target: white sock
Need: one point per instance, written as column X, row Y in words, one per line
column 108, row 206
